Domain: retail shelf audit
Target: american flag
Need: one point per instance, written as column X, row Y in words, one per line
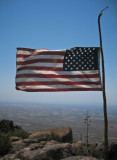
column 42, row 70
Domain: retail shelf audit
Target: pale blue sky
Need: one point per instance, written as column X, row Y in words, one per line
column 56, row 24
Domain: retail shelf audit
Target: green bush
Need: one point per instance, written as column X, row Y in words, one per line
column 55, row 137
column 5, row 144
column 6, row 126
column 7, row 130
column 20, row 133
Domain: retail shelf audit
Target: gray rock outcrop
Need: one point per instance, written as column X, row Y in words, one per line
column 49, row 152
column 65, row 134
column 18, row 145
column 79, row 148
column 79, row 158
column 54, row 144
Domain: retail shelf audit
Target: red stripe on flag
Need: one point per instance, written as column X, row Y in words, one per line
column 26, row 49
column 40, row 60
column 51, row 53
column 55, row 83
column 41, row 68
column 41, row 53
column 22, row 55
column 57, row 76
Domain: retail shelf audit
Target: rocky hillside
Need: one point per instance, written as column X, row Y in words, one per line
column 54, row 144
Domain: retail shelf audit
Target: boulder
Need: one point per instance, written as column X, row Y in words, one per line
column 79, row 148
column 99, row 146
column 49, row 152
column 51, row 142
column 9, row 157
column 14, row 138
column 18, row 145
column 61, row 134
column 35, row 146
column 79, row 158
column 38, row 137
column 28, row 154
column 30, row 141
column 58, row 151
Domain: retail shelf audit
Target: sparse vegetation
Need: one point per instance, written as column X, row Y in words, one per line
column 87, row 122
column 19, row 133
column 97, row 153
column 54, row 136
column 5, row 144
column 81, row 137
column 6, row 126
column 7, row 130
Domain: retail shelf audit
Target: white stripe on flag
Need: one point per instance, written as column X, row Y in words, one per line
column 60, row 86
column 57, row 79
column 58, row 72
column 40, row 57
column 24, row 52
column 41, row 64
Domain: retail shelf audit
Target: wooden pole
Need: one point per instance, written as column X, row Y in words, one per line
column 104, row 94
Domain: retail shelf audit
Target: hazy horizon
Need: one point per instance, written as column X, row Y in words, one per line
column 54, row 104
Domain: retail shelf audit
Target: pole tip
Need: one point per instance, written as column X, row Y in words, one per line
column 104, row 9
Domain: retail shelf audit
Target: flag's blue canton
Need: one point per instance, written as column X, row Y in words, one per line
column 81, row 58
